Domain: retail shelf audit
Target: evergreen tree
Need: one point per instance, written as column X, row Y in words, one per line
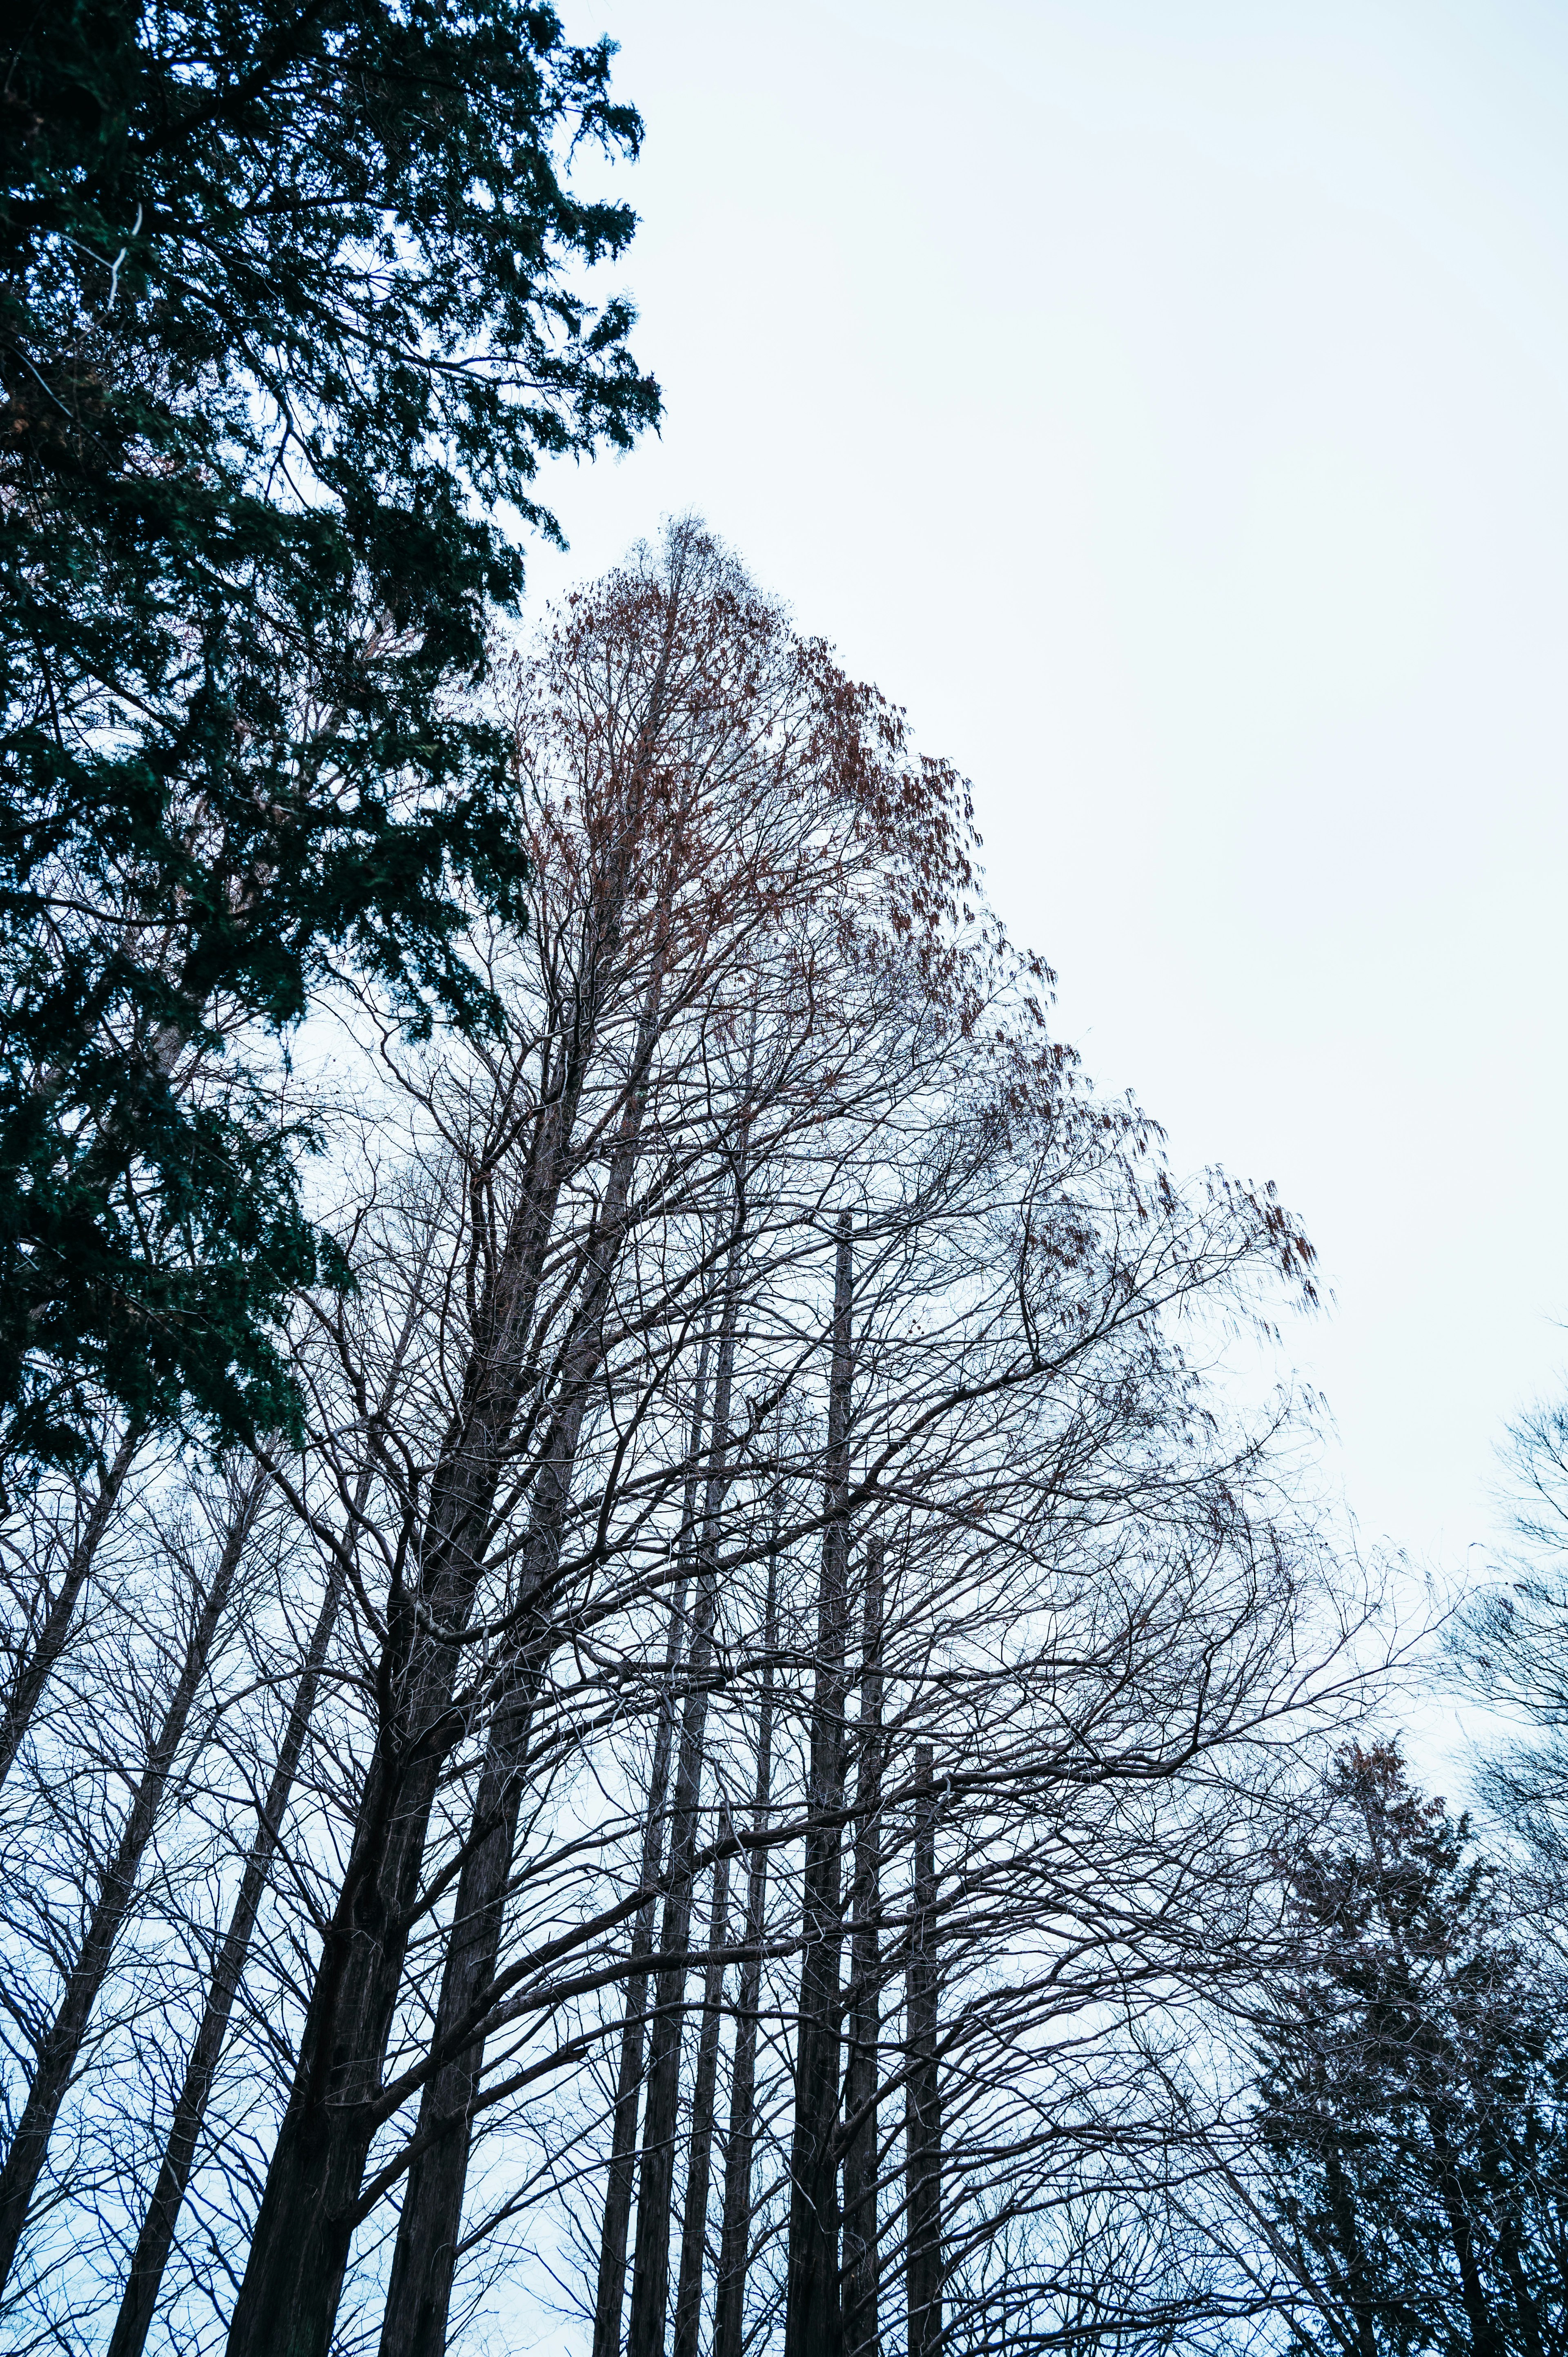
column 1412, row 2089
column 287, row 319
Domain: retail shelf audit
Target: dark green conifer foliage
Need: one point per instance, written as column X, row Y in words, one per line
column 288, row 316
column 1413, row 2088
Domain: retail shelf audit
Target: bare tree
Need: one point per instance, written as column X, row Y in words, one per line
column 60, row 2047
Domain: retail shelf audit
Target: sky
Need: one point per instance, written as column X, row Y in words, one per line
column 1164, row 401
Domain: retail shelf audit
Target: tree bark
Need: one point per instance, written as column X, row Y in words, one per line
column 814, row 2323
column 862, row 2324
column 61, row 2046
column 419, row 2292
column 735, row 2234
column 32, row 1672
column 695, row 2220
column 923, row 2128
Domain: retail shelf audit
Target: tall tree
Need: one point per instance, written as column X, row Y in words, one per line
column 287, row 319
column 294, row 2274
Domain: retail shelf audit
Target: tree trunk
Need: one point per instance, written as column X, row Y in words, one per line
column 61, row 2046
column 862, row 2324
column 610, row 2289
column 650, row 2258
column 695, row 2222
column 923, row 2128
column 735, row 2234
column 288, row 2300
column 813, row 2324
column 32, row 1672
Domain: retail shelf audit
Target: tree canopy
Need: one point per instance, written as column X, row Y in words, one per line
column 290, row 310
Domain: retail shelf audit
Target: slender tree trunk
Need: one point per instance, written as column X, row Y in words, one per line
column 695, row 2222
column 32, row 1671
column 814, row 2323
column 61, row 2046
column 610, row 2289
column 923, row 2127
column 650, row 2258
column 155, row 2240
column 862, row 2324
column 650, row 2261
column 735, row 2234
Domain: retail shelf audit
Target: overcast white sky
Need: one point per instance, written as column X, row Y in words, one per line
column 1165, row 400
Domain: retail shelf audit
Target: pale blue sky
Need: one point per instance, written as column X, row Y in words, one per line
column 1168, row 403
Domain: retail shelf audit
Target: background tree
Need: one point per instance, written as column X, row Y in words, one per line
column 1411, row 2114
